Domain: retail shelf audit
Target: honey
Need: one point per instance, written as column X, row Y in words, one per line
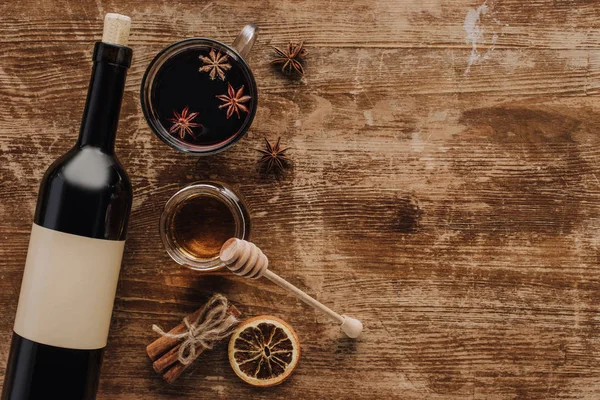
column 200, row 225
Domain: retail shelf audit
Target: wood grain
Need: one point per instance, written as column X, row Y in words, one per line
column 452, row 208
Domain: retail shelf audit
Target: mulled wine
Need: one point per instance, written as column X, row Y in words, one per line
column 202, row 96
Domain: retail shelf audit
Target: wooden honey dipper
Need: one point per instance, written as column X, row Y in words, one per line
column 246, row 259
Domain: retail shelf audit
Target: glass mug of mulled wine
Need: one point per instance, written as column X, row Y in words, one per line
column 199, row 96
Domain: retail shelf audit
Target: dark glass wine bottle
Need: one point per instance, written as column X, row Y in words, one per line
column 75, row 249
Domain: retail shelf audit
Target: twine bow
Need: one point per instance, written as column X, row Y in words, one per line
column 213, row 324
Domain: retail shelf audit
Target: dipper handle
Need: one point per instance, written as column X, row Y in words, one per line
column 351, row 327
column 246, row 259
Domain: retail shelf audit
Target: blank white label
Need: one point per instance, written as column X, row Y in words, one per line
column 68, row 289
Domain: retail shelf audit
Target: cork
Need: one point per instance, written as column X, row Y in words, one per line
column 116, row 29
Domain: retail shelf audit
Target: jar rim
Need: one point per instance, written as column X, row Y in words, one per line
column 218, row 190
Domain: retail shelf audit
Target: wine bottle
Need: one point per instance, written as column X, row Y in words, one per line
column 76, row 245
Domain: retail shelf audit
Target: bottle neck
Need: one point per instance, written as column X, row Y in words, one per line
column 103, row 104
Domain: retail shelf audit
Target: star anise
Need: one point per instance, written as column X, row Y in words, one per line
column 291, row 57
column 233, row 100
column 182, row 123
column 273, row 155
column 215, row 64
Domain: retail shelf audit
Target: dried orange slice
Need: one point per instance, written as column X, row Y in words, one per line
column 264, row 351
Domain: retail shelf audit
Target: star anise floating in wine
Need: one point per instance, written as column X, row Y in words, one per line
column 182, row 123
column 215, row 64
column 291, row 58
column 273, row 155
column 233, row 100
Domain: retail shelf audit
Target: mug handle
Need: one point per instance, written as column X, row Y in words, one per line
column 244, row 41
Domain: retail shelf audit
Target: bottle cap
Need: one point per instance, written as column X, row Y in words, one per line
column 116, row 29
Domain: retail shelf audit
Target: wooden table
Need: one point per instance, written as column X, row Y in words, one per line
column 444, row 189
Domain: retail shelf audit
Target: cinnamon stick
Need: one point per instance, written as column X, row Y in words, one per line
column 175, row 371
column 168, row 359
column 171, row 356
column 165, row 343
column 168, row 363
